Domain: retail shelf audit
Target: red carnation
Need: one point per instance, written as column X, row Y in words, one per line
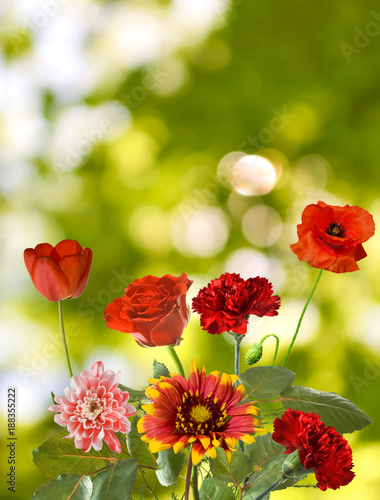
column 331, row 237
column 225, row 303
column 319, row 447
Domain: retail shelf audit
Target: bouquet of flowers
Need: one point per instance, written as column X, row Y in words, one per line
column 209, row 424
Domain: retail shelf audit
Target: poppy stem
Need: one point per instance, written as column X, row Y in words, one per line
column 62, row 327
column 176, row 359
column 301, row 317
column 277, row 345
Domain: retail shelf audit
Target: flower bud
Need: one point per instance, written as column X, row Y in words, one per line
column 254, row 354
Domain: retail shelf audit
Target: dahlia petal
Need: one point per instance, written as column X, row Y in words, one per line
column 97, row 369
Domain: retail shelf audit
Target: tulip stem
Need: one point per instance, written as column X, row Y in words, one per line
column 176, row 359
column 301, row 317
column 62, row 327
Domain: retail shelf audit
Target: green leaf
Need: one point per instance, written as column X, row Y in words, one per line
column 138, row 449
column 134, row 394
column 264, row 382
column 170, row 465
column 60, row 456
column 340, row 413
column 268, row 457
column 117, row 482
column 65, row 487
column 213, row 488
column 159, row 370
column 234, row 472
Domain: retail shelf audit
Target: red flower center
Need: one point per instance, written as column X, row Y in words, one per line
column 336, row 229
column 198, row 416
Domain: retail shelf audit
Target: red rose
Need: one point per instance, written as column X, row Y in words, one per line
column 153, row 310
column 227, row 301
column 331, row 237
column 59, row 272
column 319, row 447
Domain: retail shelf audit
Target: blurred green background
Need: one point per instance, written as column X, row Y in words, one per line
column 116, row 119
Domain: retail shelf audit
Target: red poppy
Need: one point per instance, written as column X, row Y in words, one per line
column 225, row 303
column 153, row 310
column 59, row 272
column 319, row 447
column 331, row 237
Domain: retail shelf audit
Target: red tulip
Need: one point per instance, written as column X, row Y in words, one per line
column 59, row 272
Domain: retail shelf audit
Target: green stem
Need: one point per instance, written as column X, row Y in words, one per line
column 277, row 345
column 194, row 482
column 268, row 490
column 62, row 327
column 188, row 477
column 238, row 339
column 176, row 359
column 301, row 317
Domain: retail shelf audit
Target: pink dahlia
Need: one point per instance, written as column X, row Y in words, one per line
column 94, row 409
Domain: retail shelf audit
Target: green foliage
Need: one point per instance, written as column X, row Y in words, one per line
column 117, row 482
column 65, row 487
column 134, row 394
column 60, row 456
column 138, row 449
column 170, row 465
column 334, row 410
column 268, row 457
column 160, row 370
column 264, row 382
column 213, row 489
column 234, row 472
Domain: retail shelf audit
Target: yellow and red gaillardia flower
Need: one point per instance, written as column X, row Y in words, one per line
column 203, row 411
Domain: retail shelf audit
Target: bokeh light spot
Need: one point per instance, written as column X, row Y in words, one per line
column 261, row 225
column 253, row 175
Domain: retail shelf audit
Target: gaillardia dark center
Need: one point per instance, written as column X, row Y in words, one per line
column 200, row 416
column 336, row 229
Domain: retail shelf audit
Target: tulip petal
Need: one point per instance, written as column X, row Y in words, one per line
column 49, row 279
column 83, row 280
column 29, row 258
column 73, row 267
column 43, row 250
column 68, row 247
